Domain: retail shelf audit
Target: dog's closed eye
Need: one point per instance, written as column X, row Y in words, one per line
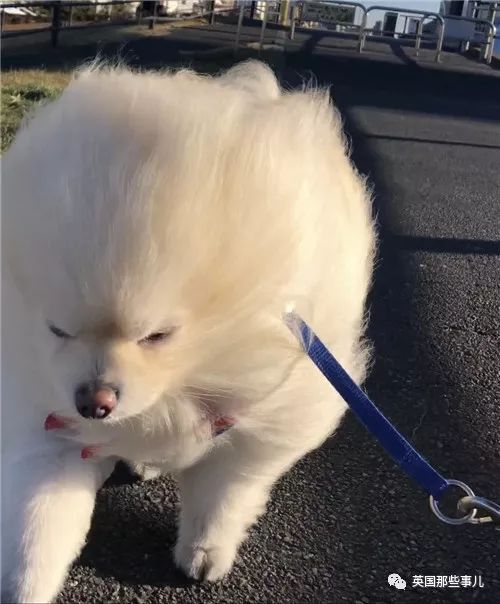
column 59, row 333
column 157, row 337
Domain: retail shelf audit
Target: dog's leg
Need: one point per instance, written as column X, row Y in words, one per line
column 224, row 493
column 47, row 506
column 221, row 497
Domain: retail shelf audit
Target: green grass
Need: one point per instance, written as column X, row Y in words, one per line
column 23, row 90
column 21, row 93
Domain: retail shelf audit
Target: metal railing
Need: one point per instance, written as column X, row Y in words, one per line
column 356, row 5
column 490, row 38
column 362, row 29
column 423, row 14
column 58, row 22
column 291, row 14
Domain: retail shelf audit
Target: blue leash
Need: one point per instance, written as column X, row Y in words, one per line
column 393, row 442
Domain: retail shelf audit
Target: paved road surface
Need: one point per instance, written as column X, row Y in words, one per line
column 345, row 517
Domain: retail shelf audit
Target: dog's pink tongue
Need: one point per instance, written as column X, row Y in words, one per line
column 55, row 422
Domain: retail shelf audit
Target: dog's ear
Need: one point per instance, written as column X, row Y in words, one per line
column 253, row 77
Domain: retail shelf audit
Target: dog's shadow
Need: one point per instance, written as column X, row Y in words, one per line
column 133, row 532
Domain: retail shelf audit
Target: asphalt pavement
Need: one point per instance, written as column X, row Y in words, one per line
column 345, row 517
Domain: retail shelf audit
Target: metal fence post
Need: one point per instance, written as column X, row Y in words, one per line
column 152, row 21
column 263, row 28
column 418, row 39
column 285, row 10
column 439, row 45
column 490, row 41
column 484, row 48
column 211, row 8
column 362, row 32
column 238, row 27
column 253, row 6
column 293, row 20
column 56, row 24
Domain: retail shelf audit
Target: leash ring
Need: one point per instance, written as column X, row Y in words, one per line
column 449, row 519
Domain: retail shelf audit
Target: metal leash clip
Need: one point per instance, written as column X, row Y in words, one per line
column 469, row 505
column 473, row 502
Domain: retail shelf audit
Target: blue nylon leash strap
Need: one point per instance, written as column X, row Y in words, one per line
column 370, row 416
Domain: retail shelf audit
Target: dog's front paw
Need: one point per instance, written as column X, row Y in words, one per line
column 205, row 563
column 93, row 437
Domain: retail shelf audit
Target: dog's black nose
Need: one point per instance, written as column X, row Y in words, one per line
column 96, row 400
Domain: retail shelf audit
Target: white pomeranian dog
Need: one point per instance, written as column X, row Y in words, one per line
column 156, row 226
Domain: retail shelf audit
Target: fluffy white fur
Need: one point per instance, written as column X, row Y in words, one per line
column 139, row 202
